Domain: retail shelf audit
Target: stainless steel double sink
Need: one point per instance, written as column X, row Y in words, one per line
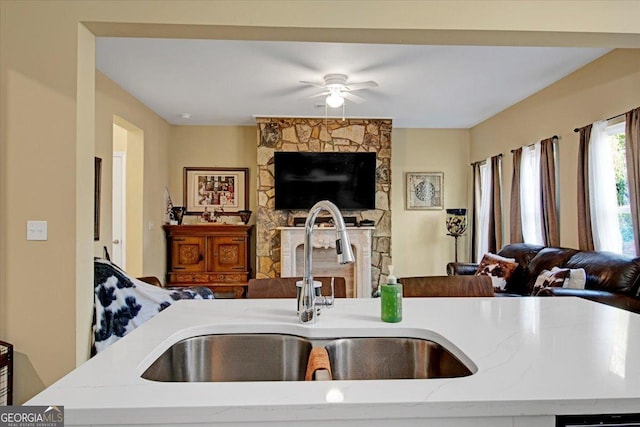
column 282, row 357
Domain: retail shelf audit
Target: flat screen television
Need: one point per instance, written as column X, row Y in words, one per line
column 304, row 178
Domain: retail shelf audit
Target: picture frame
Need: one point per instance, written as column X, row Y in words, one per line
column 424, row 190
column 217, row 189
column 97, row 182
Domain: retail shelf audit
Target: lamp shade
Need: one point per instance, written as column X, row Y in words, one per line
column 456, row 221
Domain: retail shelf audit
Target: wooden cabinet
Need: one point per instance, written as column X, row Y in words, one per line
column 212, row 255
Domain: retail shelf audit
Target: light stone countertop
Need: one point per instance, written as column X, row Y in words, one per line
column 535, row 358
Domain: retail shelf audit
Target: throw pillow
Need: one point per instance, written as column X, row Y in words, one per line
column 577, row 279
column 553, row 278
column 560, row 278
column 498, row 268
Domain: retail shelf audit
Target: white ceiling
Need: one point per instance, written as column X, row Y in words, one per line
column 223, row 82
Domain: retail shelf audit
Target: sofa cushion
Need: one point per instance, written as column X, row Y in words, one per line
column 461, row 268
column 607, row 271
column 498, row 268
column 523, row 253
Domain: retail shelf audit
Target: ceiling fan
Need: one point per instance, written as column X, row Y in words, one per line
column 337, row 90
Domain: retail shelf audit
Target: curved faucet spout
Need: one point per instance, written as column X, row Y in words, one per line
column 307, row 300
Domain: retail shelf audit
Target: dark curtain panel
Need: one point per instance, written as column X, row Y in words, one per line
column 632, row 142
column 585, row 232
column 515, row 232
column 550, row 227
column 495, row 215
column 477, row 196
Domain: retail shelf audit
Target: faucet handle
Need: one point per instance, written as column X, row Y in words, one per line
column 333, row 293
column 327, row 301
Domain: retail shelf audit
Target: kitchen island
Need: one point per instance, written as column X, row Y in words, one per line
column 533, row 358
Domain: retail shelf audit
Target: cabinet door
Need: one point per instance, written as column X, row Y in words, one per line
column 229, row 254
column 187, row 254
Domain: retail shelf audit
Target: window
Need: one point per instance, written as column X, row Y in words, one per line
column 530, row 195
column 609, row 189
column 616, row 139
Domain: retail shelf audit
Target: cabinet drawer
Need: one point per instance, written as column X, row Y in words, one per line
column 189, row 278
column 228, row 278
column 207, row 278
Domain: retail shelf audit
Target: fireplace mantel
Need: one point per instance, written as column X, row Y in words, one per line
column 325, row 238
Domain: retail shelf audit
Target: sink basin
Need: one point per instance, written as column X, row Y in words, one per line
column 378, row 358
column 282, row 357
column 233, row 357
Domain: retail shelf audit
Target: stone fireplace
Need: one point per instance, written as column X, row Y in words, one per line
column 324, row 135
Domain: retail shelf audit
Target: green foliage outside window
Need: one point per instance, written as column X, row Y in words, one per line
column 622, row 193
column 620, row 168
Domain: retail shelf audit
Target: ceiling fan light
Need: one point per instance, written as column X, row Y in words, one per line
column 335, row 100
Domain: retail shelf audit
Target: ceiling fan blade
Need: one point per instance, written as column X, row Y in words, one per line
column 317, row 84
column 320, row 94
column 353, row 98
column 361, row 85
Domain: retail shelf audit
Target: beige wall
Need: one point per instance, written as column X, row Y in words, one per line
column 214, row 146
column 420, row 245
column 129, row 140
column 211, row 146
column 39, row 145
column 604, row 88
column 47, row 132
column 113, row 103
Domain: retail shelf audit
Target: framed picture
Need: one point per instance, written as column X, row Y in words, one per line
column 425, row 190
column 97, row 173
column 217, row 189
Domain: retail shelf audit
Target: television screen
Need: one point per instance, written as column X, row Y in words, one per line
column 346, row 179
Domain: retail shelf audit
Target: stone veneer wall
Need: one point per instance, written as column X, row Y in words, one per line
column 322, row 135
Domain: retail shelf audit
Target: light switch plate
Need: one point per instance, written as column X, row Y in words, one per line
column 36, row 230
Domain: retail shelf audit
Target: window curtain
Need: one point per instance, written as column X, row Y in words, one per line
column 602, row 184
column 585, row 233
column 494, row 236
column 549, row 208
column 515, row 228
column 530, row 199
column 632, row 146
column 484, row 209
column 487, row 235
column 477, row 196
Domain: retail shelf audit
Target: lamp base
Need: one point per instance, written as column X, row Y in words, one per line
column 455, row 236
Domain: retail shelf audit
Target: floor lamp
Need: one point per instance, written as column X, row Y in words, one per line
column 456, row 223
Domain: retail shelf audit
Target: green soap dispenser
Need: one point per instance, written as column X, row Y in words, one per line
column 391, row 299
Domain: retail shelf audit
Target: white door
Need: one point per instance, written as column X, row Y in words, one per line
column 119, row 226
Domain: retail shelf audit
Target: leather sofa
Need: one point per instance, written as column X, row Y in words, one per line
column 612, row 279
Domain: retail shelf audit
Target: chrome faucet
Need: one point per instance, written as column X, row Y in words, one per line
column 308, row 301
